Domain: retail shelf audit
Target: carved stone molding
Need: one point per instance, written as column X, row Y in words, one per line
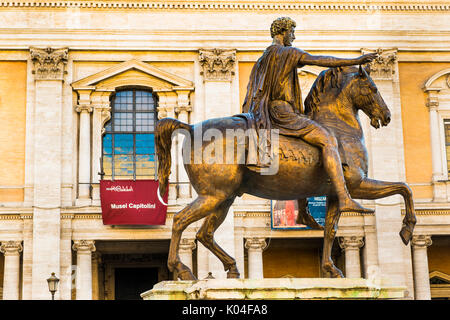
column 83, row 108
column 432, row 99
column 421, row 241
column 11, row 247
column 382, row 67
column 388, row 6
column 183, row 101
column 84, row 246
column 255, row 244
column 187, row 244
column 353, row 242
column 48, row 63
column 217, row 64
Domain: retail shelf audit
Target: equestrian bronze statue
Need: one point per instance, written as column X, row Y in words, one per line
column 320, row 149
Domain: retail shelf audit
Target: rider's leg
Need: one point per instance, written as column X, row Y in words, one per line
column 320, row 137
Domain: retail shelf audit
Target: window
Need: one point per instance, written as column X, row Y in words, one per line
column 129, row 141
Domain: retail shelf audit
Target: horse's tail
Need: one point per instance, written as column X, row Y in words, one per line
column 163, row 139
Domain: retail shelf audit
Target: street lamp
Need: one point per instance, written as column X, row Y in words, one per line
column 53, row 284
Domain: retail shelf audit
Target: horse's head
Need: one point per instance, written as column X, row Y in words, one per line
column 367, row 98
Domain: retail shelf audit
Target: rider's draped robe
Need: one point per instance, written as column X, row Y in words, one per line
column 274, row 79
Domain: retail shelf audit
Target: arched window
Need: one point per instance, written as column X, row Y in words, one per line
column 129, row 141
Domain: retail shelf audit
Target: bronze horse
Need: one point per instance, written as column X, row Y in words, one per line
column 334, row 101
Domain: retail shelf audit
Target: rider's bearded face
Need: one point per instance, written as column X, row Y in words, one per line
column 288, row 37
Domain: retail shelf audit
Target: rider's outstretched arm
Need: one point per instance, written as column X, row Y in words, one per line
column 329, row 61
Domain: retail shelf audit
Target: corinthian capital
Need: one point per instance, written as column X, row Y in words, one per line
column 83, row 246
column 48, row 63
column 255, row 244
column 350, row 243
column 383, row 66
column 187, row 244
column 83, row 108
column 11, row 247
column 217, row 64
column 421, row 241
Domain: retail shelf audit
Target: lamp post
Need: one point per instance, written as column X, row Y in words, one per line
column 53, row 284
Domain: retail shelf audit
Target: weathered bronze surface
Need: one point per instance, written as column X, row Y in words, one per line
column 327, row 153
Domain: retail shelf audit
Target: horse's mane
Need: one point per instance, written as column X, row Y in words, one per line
column 325, row 81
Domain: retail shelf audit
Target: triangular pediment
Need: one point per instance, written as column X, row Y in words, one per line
column 134, row 72
column 437, row 277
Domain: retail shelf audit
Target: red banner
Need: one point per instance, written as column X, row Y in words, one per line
column 132, row 202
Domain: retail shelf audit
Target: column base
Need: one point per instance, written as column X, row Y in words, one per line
column 281, row 288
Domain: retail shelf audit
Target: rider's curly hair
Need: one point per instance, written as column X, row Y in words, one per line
column 280, row 25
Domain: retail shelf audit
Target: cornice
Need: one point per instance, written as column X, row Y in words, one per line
column 235, row 5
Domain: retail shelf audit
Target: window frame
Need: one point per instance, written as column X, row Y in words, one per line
column 133, row 132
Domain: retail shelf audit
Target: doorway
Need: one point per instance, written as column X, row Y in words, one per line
column 131, row 282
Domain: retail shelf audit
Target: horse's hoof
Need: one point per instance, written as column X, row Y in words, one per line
column 233, row 273
column 308, row 221
column 332, row 271
column 336, row 273
column 186, row 275
column 406, row 234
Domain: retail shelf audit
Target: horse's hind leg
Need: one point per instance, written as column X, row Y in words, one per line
column 305, row 217
column 206, row 236
column 331, row 222
column 199, row 208
column 375, row 189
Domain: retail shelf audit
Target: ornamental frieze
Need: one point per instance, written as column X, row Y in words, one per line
column 217, row 64
column 48, row 63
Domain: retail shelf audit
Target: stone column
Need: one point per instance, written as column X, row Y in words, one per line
column 437, row 152
column 186, row 248
column 255, row 247
column 83, row 278
column 84, row 152
column 202, row 261
column 370, row 251
column 49, row 72
column 100, row 102
column 96, row 261
column 351, row 246
column 11, row 250
column 420, row 265
column 182, row 109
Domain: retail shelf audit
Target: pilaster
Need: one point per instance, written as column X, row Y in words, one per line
column 217, row 67
column 386, row 150
column 48, row 72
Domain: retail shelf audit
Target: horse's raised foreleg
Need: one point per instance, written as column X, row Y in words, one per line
column 331, row 222
column 199, row 208
column 375, row 189
column 206, row 236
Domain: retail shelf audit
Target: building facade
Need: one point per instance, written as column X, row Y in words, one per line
column 82, row 84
